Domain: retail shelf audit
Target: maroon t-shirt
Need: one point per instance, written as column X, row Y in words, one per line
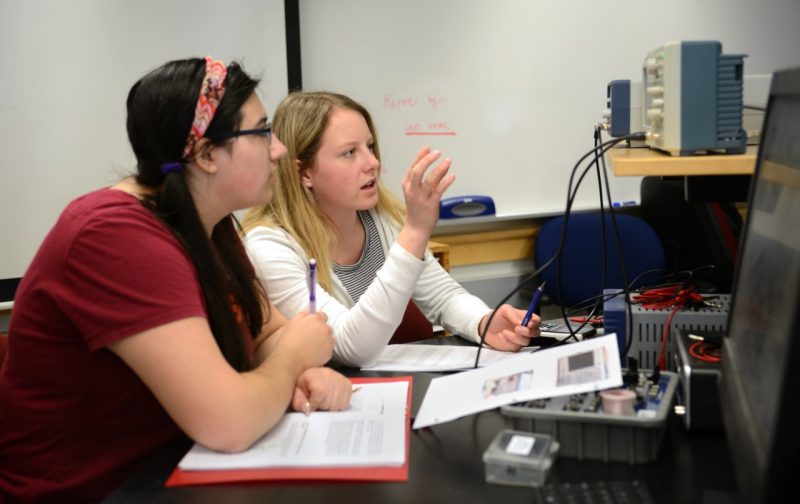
column 414, row 326
column 74, row 418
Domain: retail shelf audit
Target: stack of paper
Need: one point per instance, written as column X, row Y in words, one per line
column 367, row 442
column 570, row 369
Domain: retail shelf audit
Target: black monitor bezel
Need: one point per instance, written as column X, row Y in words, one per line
column 762, row 470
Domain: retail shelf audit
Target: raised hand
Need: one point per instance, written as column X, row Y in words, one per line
column 422, row 193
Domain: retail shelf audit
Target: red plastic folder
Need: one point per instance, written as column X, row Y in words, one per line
column 180, row 477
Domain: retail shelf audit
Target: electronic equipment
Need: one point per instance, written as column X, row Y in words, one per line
column 466, row 206
column 623, row 113
column 556, row 328
column 519, row 458
column 595, row 492
column 648, row 325
column 761, row 353
column 693, row 99
column 699, row 384
column 584, row 430
column 618, row 107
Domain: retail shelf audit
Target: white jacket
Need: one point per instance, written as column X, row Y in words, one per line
column 362, row 330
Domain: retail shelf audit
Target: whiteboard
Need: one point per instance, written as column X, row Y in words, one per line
column 511, row 89
column 67, row 67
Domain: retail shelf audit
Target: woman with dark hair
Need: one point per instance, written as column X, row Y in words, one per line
column 141, row 316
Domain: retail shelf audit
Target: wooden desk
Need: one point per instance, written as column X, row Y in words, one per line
column 649, row 162
column 445, row 465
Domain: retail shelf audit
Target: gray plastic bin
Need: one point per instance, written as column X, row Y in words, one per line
column 585, row 432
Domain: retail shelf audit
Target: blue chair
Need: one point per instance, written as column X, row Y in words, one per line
column 581, row 258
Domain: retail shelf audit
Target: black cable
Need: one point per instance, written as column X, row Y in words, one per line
column 604, row 259
column 707, row 270
column 598, row 151
column 593, row 301
column 502, row 301
column 643, row 274
column 598, row 298
column 626, row 285
column 599, row 155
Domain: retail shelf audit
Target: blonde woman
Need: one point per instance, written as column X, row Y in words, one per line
column 379, row 284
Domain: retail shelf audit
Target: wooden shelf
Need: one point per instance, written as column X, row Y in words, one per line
column 649, row 162
column 441, row 251
column 490, row 246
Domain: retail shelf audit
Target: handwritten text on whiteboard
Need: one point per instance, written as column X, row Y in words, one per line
column 417, row 108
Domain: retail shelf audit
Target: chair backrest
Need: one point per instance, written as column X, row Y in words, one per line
column 581, row 270
column 694, row 234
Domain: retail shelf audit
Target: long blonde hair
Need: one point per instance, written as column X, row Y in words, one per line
column 299, row 122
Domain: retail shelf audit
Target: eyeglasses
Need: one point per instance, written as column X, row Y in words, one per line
column 265, row 132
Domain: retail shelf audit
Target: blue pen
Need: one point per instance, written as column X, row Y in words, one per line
column 534, row 303
column 312, row 286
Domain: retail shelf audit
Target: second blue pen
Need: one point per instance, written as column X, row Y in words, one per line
column 534, row 304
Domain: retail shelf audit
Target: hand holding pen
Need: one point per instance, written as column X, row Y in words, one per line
column 505, row 331
column 503, row 337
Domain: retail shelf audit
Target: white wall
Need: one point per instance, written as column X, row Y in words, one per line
column 67, row 67
column 521, row 83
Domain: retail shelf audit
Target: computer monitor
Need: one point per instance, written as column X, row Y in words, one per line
column 761, row 353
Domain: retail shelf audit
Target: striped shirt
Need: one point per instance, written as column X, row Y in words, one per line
column 357, row 277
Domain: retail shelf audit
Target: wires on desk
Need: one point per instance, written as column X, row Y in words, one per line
column 706, row 348
column 706, row 352
column 596, row 155
column 674, row 298
column 666, row 297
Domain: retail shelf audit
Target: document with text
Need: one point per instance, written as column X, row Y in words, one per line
column 422, row 358
column 589, row 365
column 372, row 432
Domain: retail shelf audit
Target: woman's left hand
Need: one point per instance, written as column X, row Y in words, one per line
column 505, row 331
column 322, row 388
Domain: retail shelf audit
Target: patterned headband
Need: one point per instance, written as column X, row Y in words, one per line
column 211, row 92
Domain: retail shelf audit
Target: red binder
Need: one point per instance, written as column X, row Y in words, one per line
column 180, row 477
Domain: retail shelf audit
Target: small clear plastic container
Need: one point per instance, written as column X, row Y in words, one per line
column 519, row 458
